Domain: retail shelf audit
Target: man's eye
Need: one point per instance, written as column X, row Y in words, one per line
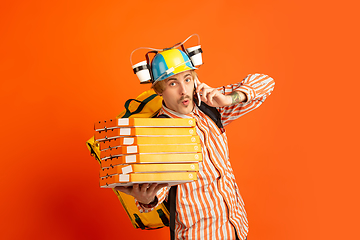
column 187, row 80
column 172, row 84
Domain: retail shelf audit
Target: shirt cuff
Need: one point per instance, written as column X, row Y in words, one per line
column 145, row 208
column 248, row 91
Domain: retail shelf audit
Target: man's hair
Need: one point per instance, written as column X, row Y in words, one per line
column 160, row 86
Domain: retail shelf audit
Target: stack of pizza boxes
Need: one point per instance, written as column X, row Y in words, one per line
column 148, row 150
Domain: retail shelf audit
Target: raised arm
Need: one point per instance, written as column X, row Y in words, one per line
column 235, row 100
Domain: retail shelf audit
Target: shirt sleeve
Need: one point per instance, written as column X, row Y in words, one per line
column 161, row 195
column 257, row 88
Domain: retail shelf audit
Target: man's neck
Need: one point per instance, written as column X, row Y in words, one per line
column 177, row 113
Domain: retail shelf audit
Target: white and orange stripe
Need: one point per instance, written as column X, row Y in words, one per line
column 212, row 207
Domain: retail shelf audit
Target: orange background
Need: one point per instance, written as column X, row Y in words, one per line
column 65, row 65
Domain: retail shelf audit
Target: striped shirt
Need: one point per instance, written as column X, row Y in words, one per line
column 212, row 207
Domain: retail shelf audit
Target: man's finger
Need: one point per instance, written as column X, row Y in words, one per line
column 152, row 187
column 205, row 92
column 200, row 87
column 160, row 186
column 210, row 96
column 135, row 187
column 144, row 187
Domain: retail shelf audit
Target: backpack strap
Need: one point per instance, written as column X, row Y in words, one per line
column 163, row 217
column 139, row 108
column 213, row 113
column 172, row 196
column 139, row 222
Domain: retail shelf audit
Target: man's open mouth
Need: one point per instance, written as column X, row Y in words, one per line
column 186, row 101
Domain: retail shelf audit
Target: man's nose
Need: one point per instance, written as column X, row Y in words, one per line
column 183, row 89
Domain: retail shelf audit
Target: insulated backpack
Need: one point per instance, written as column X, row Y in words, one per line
column 148, row 105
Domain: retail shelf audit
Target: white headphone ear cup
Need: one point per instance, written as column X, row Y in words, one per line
column 195, row 55
column 142, row 71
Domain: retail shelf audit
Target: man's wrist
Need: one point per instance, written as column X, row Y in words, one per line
column 151, row 204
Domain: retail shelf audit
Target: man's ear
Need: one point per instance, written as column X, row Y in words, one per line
column 156, row 92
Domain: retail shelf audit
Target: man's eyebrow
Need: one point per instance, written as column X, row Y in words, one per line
column 187, row 75
column 169, row 79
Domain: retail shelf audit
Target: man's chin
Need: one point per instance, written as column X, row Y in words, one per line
column 186, row 109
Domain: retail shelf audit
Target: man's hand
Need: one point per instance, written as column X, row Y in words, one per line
column 214, row 98
column 144, row 194
column 211, row 96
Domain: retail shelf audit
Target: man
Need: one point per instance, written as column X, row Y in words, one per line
column 211, row 207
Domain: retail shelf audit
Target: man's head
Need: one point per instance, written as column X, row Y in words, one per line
column 178, row 91
column 174, row 75
column 168, row 63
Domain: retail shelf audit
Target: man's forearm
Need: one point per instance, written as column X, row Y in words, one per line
column 238, row 97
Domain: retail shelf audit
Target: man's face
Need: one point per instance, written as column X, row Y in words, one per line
column 178, row 93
